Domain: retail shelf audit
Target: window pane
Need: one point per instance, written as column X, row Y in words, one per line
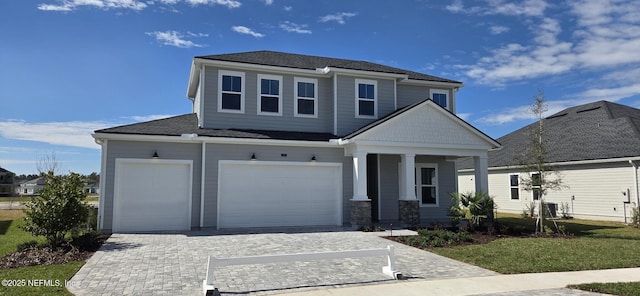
column 306, row 107
column 535, row 179
column 366, row 91
column 515, row 193
column 231, row 101
column 428, row 176
column 269, row 104
column 366, row 108
column 306, row 90
column 362, row 90
column 231, row 83
column 428, row 195
column 514, row 180
column 536, row 193
column 370, row 91
column 440, row 99
column 269, row 87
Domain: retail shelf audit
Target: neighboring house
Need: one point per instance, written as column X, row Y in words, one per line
column 596, row 149
column 6, row 182
column 31, row 187
column 91, row 187
column 279, row 139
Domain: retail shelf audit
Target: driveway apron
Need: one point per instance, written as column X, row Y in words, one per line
column 175, row 263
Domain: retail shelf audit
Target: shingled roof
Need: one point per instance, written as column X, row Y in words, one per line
column 598, row 130
column 307, row 62
column 188, row 124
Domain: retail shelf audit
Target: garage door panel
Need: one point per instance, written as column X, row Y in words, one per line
column 152, row 195
column 254, row 194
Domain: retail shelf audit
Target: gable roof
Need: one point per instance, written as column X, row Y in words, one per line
column 593, row 131
column 308, row 62
column 424, row 122
column 188, row 124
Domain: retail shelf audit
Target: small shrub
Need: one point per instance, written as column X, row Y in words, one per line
column 27, row 246
column 564, row 210
column 529, row 210
column 635, row 217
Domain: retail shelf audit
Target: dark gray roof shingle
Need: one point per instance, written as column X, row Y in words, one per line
column 188, row 124
column 290, row 60
column 598, row 130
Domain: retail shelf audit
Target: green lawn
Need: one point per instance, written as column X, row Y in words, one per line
column 19, row 199
column 624, row 289
column 585, row 251
column 10, row 237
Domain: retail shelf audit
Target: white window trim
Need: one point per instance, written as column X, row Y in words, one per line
column 441, row 91
column 296, row 98
column 242, row 91
column 259, row 96
column 511, row 187
column 419, row 166
column 375, row 98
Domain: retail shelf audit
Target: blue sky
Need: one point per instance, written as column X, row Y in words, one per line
column 69, row 67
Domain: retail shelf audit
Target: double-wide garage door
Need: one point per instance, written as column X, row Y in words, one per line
column 267, row 194
column 152, row 195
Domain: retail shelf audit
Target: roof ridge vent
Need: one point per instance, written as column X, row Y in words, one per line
column 589, row 109
column 557, row 115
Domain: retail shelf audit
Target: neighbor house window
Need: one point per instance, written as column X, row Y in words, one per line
column 269, row 95
column 366, row 99
column 306, row 100
column 514, row 185
column 536, row 182
column 231, row 94
column 440, row 97
column 427, row 184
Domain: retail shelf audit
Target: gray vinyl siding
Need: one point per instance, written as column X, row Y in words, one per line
column 389, row 188
column 250, row 119
column 347, row 121
column 409, row 94
column 144, row 150
column 217, row 152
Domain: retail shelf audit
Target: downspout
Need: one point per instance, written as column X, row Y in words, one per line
column 635, row 179
column 202, row 179
column 335, row 103
column 102, row 196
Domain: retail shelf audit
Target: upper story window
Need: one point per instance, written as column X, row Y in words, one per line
column 427, row 184
column 269, row 94
column 231, row 92
column 536, row 182
column 440, row 97
column 306, row 100
column 514, row 186
column 366, row 99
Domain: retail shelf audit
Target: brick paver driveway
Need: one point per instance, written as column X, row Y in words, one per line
column 174, row 264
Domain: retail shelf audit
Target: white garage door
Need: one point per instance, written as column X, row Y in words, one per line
column 152, row 195
column 265, row 194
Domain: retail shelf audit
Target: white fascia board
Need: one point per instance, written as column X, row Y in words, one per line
column 254, row 67
column 215, row 140
column 412, row 148
column 431, row 83
column 362, row 73
column 565, row 163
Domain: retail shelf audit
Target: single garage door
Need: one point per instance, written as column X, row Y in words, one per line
column 266, row 194
column 152, row 195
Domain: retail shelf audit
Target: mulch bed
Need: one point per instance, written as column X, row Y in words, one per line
column 46, row 256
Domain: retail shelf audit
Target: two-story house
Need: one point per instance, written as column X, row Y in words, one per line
column 280, row 139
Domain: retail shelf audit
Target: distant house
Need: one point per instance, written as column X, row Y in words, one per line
column 596, row 149
column 91, row 187
column 31, row 187
column 6, row 182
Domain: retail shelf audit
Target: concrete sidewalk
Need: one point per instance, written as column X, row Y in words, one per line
column 529, row 282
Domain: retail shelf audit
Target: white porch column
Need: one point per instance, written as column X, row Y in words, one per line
column 481, row 169
column 407, row 177
column 360, row 176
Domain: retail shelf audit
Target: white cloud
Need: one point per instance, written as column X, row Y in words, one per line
column 227, row 3
column 245, row 30
column 288, row 8
column 501, row 7
column 64, row 133
column 455, row 7
column 267, row 2
column 294, row 28
column 496, row 30
column 337, row 17
column 524, row 112
column 69, row 5
column 174, row 38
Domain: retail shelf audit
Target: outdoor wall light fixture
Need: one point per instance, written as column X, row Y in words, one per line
column 155, row 155
column 253, row 156
column 313, row 158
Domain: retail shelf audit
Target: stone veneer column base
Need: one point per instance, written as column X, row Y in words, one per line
column 360, row 213
column 409, row 212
